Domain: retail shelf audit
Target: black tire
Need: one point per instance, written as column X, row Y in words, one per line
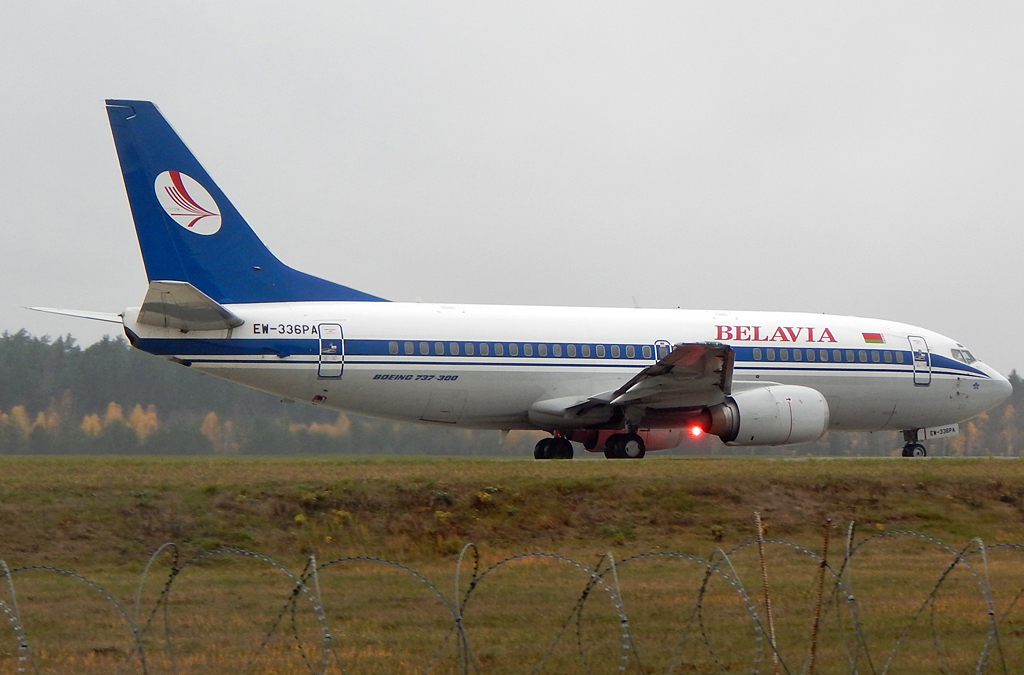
column 613, row 447
column 906, row 451
column 632, row 447
column 918, row 450
column 560, row 448
column 543, row 449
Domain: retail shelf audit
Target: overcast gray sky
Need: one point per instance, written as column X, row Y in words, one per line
column 851, row 158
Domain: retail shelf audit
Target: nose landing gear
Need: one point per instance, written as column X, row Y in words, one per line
column 912, row 448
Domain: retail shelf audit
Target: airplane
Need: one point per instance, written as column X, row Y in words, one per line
column 617, row 381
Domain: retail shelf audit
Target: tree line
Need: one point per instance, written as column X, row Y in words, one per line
column 59, row 398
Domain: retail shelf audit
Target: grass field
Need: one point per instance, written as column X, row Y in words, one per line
column 102, row 518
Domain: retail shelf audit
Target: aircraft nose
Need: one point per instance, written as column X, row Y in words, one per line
column 1001, row 389
column 993, row 391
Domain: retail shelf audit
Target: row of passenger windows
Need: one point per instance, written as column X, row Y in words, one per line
column 526, row 349
column 587, row 351
column 824, row 355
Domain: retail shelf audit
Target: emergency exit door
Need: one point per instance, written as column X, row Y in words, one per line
column 332, row 350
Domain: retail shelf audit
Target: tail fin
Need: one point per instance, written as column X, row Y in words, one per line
column 187, row 228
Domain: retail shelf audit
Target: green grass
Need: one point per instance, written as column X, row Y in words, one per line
column 102, row 517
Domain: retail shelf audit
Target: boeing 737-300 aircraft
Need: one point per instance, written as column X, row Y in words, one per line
column 621, row 381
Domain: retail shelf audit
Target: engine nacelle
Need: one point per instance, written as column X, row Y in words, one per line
column 773, row 415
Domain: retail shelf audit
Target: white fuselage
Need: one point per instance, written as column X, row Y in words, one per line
column 483, row 366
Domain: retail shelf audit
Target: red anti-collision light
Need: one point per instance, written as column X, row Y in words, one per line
column 696, row 431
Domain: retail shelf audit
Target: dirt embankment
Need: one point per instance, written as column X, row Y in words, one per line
column 66, row 510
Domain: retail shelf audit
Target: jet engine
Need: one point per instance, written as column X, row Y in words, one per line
column 772, row 415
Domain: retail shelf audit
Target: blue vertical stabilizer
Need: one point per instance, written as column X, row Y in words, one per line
column 187, row 228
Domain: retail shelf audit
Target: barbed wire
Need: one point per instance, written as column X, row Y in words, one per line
column 857, row 647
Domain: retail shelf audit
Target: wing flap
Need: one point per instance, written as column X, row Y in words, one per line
column 179, row 304
column 692, row 375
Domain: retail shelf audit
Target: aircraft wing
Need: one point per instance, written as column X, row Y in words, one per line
column 693, row 374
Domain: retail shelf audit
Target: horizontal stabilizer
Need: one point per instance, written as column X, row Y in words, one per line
column 179, row 304
column 81, row 314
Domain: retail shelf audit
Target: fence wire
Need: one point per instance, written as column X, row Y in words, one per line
column 631, row 615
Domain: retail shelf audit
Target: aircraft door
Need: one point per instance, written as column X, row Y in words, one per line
column 922, row 360
column 662, row 349
column 332, row 350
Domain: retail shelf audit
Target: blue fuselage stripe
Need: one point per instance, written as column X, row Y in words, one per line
column 199, row 350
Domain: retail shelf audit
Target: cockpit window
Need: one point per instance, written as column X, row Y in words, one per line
column 963, row 355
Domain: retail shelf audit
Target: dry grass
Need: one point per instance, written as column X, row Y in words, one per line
column 102, row 517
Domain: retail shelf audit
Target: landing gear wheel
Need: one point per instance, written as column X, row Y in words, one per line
column 632, row 447
column 553, row 448
column 612, row 446
column 560, row 448
column 914, row 450
column 624, row 446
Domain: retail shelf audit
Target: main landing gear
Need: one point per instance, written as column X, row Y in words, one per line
column 625, row 446
column 553, row 448
column 912, row 448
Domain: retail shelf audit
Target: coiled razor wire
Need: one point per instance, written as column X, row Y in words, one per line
column 323, row 655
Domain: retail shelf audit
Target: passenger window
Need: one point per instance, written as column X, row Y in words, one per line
column 615, row 351
column 424, row 348
column 485, row 349
column 600, row 351
column 499, row 349
column 899, row 357
column 647, row 351
column 874, row 356
column 837, row 356
column 757, row 353
column 527, row 350
column 571, row 350
column 585, row 350
column 771, row 354
column 798, row 354
column 439, row 348
column 469, row 349
column 542, row 350
column 887, row 356
column 784, row 355
column 409, row 347
column 863, row 356
column 630, row 352
column 556, row 350
column 513, row 349
column 823, row 354
column 849, row 356
column 810, row 354
column 453, row 349
column 393, row 347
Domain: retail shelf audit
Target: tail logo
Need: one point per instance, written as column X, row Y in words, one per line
column 187, row 202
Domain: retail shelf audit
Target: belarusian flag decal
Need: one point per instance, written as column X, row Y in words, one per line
column 873, row 338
